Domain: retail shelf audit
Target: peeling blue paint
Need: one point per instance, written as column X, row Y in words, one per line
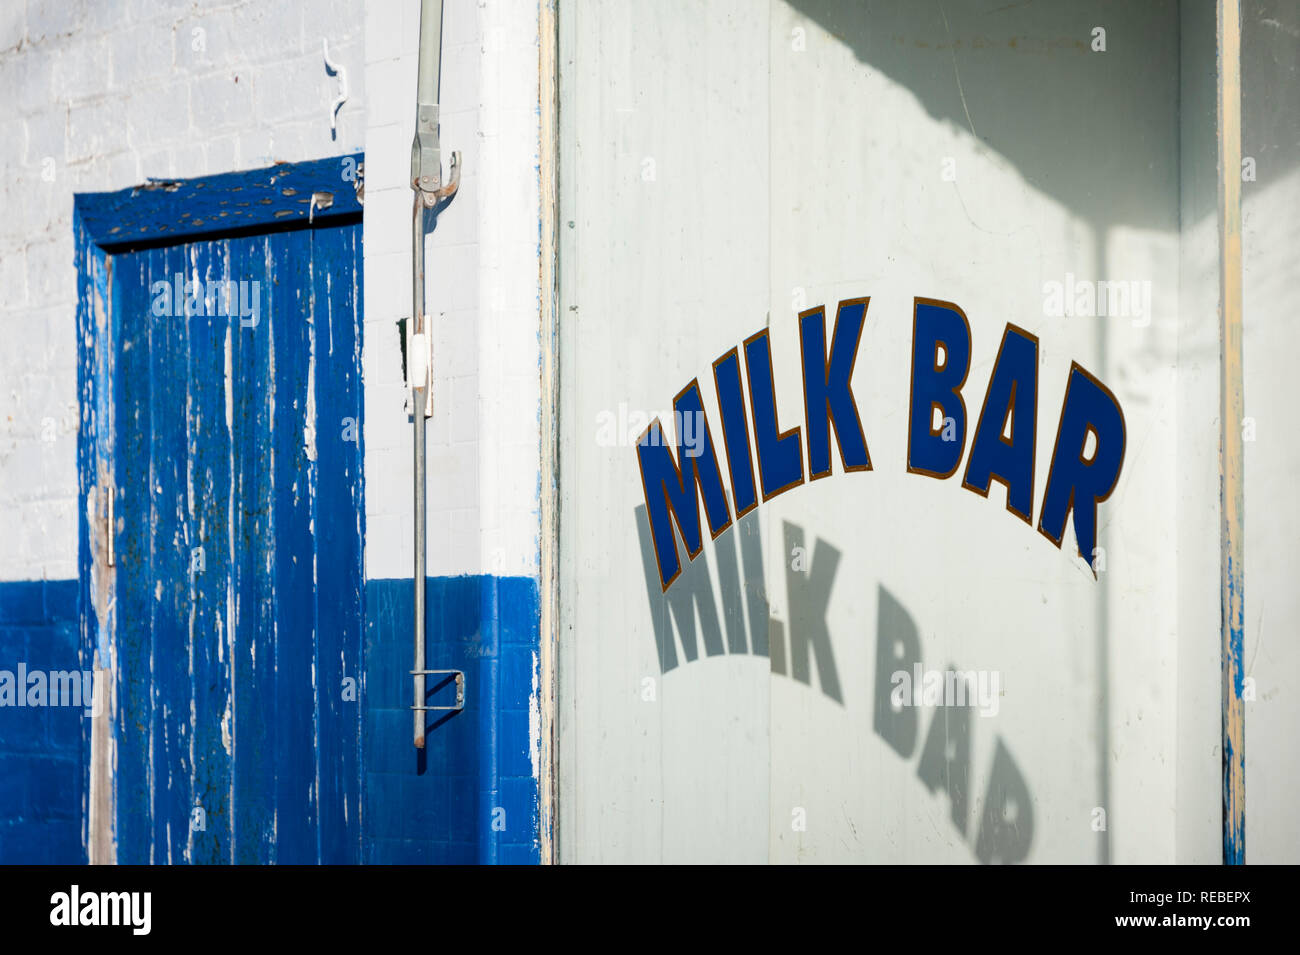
column 1237, row 630
column 239, row 558
column 1234, row 759
column 161, row 211
column 235, row 450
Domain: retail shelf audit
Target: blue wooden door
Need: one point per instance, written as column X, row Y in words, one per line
column 238, row 561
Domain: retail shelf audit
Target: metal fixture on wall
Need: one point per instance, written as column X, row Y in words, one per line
column 335, row 69
column 426, row 181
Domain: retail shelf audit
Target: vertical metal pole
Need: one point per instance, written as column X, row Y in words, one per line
column 548, row 29
column 418, row 419
column 1231, row 451
column 426, row 181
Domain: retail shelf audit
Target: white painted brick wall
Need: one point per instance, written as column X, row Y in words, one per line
column 111, row 92
column 482, row 272
column 103, row 95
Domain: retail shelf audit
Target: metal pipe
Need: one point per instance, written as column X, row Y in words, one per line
column 430, row 51
column 426, row 153
column 417, row 417
column 426, row 160
column 426, row 181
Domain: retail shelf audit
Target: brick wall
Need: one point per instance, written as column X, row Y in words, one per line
column 100, row 96
column 41, row 791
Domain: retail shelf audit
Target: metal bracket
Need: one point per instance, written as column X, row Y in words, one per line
column 442, row 193
column 426, row 160
column 460, row 689
column 426, row 151
column 342, row 98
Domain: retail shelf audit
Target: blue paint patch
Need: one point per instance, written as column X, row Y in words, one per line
column 472, row 795
column 1234, row 760
column 42, row 786
column 258, row 199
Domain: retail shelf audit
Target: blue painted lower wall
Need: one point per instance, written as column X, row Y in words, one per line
column 471, row 796
column 41, row 768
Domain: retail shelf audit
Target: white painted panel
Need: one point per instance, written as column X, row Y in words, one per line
column 664, row 230
column 724, row 166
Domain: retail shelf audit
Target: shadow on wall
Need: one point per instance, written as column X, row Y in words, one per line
column 808, row 580
column 1006, row 827
column 1024, row 80
column 1006, row 821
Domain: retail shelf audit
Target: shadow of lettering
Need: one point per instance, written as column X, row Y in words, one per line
column 809, row 593
column 691, row 592
column 1008, row 825
column 745, row 612
column 897, row 648
column 945, row 759
column 1006, row 829
column 733, row 613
